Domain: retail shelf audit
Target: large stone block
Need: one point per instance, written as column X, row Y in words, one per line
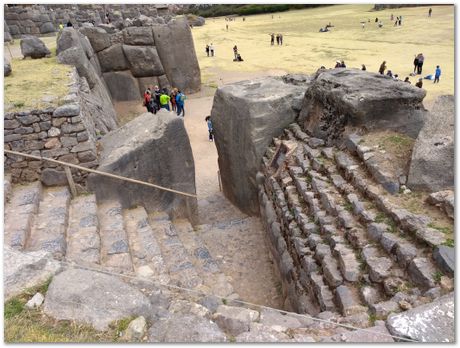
column 112, row 59
column 433, row 162
column 33, row 47
column 150, row 148
column 138, row 36
column 145, row 82
column 349, row 97
column 174, row 43
column 143, row 61
column 246, row 116
column 122, row 85
column 97, row 36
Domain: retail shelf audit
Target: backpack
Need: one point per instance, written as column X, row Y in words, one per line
column 183, row 97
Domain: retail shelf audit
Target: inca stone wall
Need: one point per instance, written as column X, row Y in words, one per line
column 43, row 19
column 65, row 133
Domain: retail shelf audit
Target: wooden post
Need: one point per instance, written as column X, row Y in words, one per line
column 68, row 174
column 220, row 182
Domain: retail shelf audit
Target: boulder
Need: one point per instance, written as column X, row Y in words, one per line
column 445, row 200
column 122, row 85
column 246, row 116
column 36, row 301
column 26, row 270
column 67, row 38
column 445, row 258
column 338, row 98
column 98, row 37
column 138, row 36
column 93, row 298
column 432, row 164
column 234, row 320
column 76, row 56
column 432, row 322
column 33, row 47
column 150, row 148
column 6, row 67
column 174, row 43
column 143, row 61
column 188, row 328
column 136, row 329
column 196, row 21
column 112, row 59
column 47, row 27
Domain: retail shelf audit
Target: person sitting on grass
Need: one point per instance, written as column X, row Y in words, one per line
column 419, row 84
column 407, row 80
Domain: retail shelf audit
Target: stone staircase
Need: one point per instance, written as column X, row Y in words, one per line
column 104, row 236
column 339, row 240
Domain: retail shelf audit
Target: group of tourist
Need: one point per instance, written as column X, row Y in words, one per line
column 210, row 50
column 157, row 99
column 279, row 39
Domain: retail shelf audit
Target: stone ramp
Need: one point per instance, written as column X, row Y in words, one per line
column 337, row 238
column 49, row 230
column 203, row 261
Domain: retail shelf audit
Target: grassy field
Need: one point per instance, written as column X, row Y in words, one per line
column 305, row 49
column 34, row 79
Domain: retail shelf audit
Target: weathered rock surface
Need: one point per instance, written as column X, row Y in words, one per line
column 138, row 36
column 234, row 320
column 445, row 258
column 33, row 47
column 433, row 322
column 188, row 328
column 36, row 301
column 98, row 37
column 136, row 329
column 26, row 270
column 432, row 163
column 246, row 116
column 122, row 85
column 375, row 334
column 349, row 97
column 93, row 298
column 174, row 43
column 445, row 200
column 153, row 149
column 112, row 59
column 196, row 21
column 6, row 67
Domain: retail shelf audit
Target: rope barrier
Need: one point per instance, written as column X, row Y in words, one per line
column 100, row 173
column 200, row 292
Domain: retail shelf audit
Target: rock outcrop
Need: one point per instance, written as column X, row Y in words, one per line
column 6, row 67
column 338, row 98
column 246, row 116
column 153, row 149
column 93, row 298
column 432, row 164
column 33, row 47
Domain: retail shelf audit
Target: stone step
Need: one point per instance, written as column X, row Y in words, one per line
column 115, row 253
column 50, row 225
column 19, row 213
column 181, row 270
column 202, row 259
column 145, row 250
column 83, row 240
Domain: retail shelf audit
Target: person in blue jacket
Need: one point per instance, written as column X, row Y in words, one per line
column 437, row 74
column 210, row 130
column 180, row 101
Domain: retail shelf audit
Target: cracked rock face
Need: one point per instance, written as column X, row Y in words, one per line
column 338, row 98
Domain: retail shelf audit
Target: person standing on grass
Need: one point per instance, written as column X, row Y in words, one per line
column 207, row 50
column 437, row 74
column 210, row 130
column 278, row 39
column 429, row 12
column 382, row 68
column 421, row 59
column 211, row 49
column 272, row 39
column 227, row 26
column 235, row 52
column 281, row 39
column 415, row 63
column 180, row 102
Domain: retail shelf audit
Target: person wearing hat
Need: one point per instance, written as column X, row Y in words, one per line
column 338, row 64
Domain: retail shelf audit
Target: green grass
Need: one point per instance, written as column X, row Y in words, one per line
column 381, row 217
column 437, row 276
column 372, row 319
column 13, row 307
column 224, row 301
column 449, row 242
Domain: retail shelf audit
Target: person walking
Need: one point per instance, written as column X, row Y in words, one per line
column 207, row 50
column 211, row 49
column 272, row 38
column 382, row 68
column 180, row 102
column 210, row 130
column 235, row 52
column 172, row 96
column 415, row 63
column 421, row 59
column 164, row 100
column 437, row 74
column 429, row 12
column 400, row 20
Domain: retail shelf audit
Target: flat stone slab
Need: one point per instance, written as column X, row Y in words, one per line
column 433, row 322
column 445, row 258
